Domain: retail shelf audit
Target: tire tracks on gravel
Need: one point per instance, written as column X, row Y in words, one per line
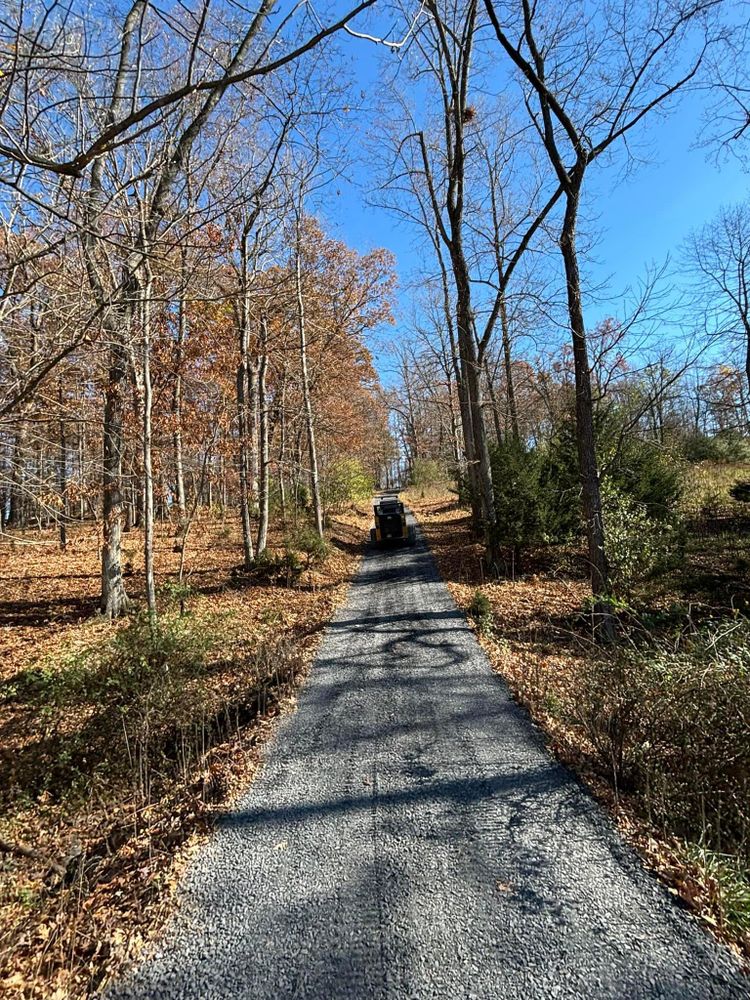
column 410, row 837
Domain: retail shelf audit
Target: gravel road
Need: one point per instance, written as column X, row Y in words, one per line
column 410, row 837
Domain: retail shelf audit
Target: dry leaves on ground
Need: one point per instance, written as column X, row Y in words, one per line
column 540, row 643
column 87, row 874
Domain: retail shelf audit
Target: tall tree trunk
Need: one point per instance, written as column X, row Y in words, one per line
column 16, row 506
column 62, row 470
column 114, row 600
column 470, row 377
column 592, row 505
column 309, row 421
column 507, row 362
column 481, row 447
column 263, row 492
column 493, row 402
column 467, row 431
column 455, row 443
column 247, row 540
column 282, row 446
column 297, row 473
column 252, row 426
column 464, row 407
column 148, row 471
column 243, row 372
column 177, row 398
column 81, row 470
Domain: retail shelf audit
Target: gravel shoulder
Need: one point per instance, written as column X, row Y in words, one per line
column 409, row 836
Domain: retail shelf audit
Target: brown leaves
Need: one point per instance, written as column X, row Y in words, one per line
column 535, row 645
column 97, row 881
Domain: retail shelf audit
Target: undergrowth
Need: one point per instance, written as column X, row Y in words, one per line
column 120, row 766
column 658, row 722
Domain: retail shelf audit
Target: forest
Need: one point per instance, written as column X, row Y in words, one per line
column 207, row 371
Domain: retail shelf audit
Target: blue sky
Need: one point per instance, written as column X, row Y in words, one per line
column 640, row 218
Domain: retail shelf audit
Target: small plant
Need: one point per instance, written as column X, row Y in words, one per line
column 720, row 885
column 669, row 721
column 307, row 541
column 480, row 610
column 176, row 593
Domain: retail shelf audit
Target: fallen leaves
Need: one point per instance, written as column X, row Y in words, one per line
column 538, row 651
column 70, row 916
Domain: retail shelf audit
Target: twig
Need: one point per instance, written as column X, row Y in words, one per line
column 22, row 851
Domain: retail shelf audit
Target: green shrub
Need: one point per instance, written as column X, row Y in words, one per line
column 344, row 483
column 645, row 472
column 637, row 544
column 480, row 610
column 270, row 564
column 306, row 540
column 463, row 486
column 146, row 662
column 174, row 593
column 725, row 447
column 150, row 663
column 518, row 496
column 730, row 878
column 427, row 472
column 560, row 485
column 301, row 497
column 672, row 723
column 141, row 706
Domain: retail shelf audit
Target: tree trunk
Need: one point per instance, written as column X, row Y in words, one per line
column 592, row 505
column 494, row 403
column 177, row 401
column 81, row 470
column 252, row 426
column 282, row 447
column 455, row 443
column 467, row 430
column 470, row 378
column 247, row 541
column 309, row 421
column 481, row 448
column 16, row 506
column 263, row 492
column 114, row 600
column 243, row 372
column 148, row 471
column 62, row 471
column 507, row 362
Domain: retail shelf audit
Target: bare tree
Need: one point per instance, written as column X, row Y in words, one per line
column 589, row 78
column 446, row 166
column 718, row 255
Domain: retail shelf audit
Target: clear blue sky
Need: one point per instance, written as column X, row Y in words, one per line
column 641, row 218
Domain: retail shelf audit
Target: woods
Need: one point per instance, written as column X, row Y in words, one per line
column 208, row 334
column 213, row 349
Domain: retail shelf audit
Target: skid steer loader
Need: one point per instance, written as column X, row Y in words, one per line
column 391, row 523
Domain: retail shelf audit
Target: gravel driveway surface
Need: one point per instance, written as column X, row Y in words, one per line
column 410, row 837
